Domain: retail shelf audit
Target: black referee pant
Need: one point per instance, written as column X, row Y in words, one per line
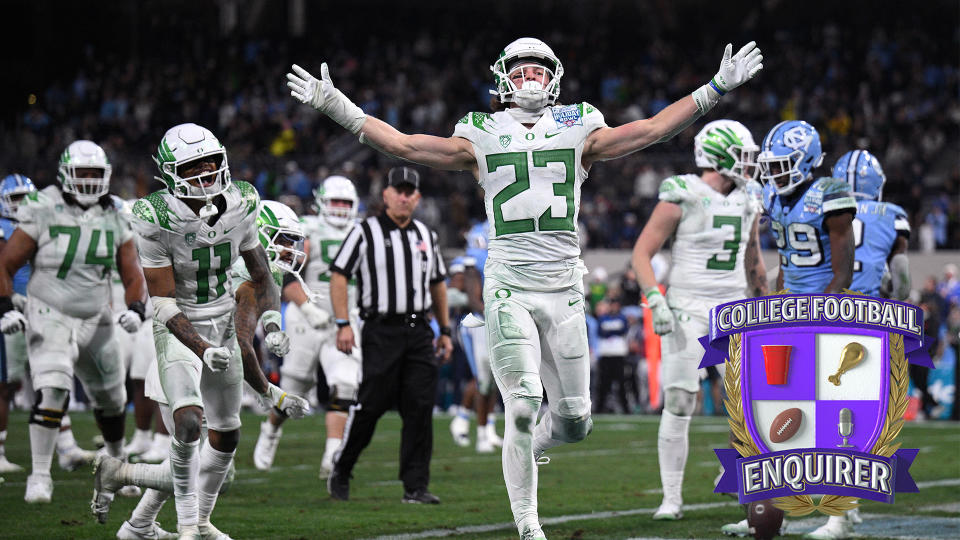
column 399, row 366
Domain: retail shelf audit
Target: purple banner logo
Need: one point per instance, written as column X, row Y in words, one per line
column 816, row 388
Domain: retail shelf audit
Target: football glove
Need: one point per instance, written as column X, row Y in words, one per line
column 217, row 358
column 293, row 406
column 734, row 71
column 662, row 316
column 317, row 317
column 19, row 301
column 277, row 343
column 12, row 322
column 130, row 321
column 322, row 95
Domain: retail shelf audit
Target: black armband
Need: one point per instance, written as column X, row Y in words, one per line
column 140, row 309
column 6, row 304
column 445, row 331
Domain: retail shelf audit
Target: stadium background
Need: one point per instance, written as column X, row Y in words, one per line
column 876, row 75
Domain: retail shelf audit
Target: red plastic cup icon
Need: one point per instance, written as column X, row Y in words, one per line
column 776, row 360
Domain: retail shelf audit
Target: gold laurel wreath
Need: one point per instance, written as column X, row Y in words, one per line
column 886, row 445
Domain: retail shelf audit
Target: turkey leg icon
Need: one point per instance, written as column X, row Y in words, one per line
column 776, row 361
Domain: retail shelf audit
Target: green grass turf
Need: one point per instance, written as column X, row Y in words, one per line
column 614, row 469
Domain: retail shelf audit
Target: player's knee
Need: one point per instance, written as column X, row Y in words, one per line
column 342, row 397
column 224, row 441
column 679, row 402
column 49, row 407
column 188, row 422
column 110, row 403
column 572, row 422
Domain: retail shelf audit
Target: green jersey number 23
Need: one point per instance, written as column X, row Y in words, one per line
column 545, row 221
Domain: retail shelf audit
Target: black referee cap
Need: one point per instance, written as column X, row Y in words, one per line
column 403, row 175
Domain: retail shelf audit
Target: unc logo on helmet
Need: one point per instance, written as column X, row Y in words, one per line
column 797, row 138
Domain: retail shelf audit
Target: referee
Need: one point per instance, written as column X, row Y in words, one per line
column 400, row 274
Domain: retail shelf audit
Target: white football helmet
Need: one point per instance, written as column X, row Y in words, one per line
column 727, row 147
column 182, row 145
column 281, row 236
column 337, row 188
column 532, row 95
column 84, row 155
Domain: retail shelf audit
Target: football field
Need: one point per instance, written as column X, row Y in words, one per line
column 606, row 487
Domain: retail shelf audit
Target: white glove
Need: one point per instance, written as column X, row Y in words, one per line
column 316, row 316
column 662, row 316
column 277, row 343
column 734, row 71
column 293, row 406
column 12, row 322
column 217, row 358
column 130, row 321
column 19, row 301
column 323, row 95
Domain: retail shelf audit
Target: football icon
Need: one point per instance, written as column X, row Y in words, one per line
column 786, row 425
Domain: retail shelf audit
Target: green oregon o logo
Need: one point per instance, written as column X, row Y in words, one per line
column 211, row 234
column 529, row 136
column 502, row 293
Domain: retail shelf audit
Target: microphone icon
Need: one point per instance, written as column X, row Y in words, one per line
column 845, row 427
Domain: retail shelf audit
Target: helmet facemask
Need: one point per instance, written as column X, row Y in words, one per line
column 205, row 185
column 84, row 172
column 282, row 237
column 775, row 169
column 522, row 55
column 12, row 192
column 332, row 190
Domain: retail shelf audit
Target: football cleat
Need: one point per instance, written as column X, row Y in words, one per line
column 6, row 466
column 39, row 489
column 742, row 528
column 159, row 450
column 492, row 436
column 836, row 527
column 338, row 485
column 75, row 458
column 105, row 485
column 668, row 512
column 266, row 447
column 130, row 492
column 138, row 445
column 150, row 532
column 189, row 532
column 485, row 447
column 533, row 533
column 420, row 496
column 460, row 429
column 209, row 532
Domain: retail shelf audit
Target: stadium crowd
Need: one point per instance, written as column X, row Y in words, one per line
column 889, row 87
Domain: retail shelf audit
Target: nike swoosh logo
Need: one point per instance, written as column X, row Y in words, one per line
column 554, row 134
column 572, row 302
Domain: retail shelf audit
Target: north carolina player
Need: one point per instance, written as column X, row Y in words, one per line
column 713, row 219
column 309, row 324
column 191, row 233
column 811, row 220
column 74, row 236
column 880, row 229
column 531, row 160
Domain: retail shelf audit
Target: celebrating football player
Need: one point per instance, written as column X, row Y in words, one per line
column 713, row 219
column 67, row 319
column 531, row 160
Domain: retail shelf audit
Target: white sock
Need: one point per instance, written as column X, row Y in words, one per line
column 148, row 508
column 147, row 475
column 65, row 440
column 114, row 448
column 42, row 442
column 184, row 466
column 161, row 441
column 141, row 434
column 214, row 465
column 672, row 448
column 519, row 469
column 3, row 442
column 267, row 427
column 481, row 434
column 332, row 444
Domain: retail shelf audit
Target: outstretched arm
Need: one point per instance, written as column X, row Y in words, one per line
column 447, row 153
column 610, row 143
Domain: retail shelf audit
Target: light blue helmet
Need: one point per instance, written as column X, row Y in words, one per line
column 789, row 154
column 863, row 172
column 13, row 189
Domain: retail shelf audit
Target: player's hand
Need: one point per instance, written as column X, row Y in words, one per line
column 345, row 342
column 317, row 317
column 739, row 68
column 277, row 343
column 322, row 95
column 217, row 358
column 444, row 347
column 19, row 301
column 662, row 316
column 12, row 322
column 293, row 406
column 130, row 321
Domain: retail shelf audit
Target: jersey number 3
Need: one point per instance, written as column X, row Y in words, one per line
column 546, row 221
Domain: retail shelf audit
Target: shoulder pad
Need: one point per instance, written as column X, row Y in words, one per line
column 248, row 196
column 151, row 213
column 896, row 210
column 828, row 184
column 675, row 189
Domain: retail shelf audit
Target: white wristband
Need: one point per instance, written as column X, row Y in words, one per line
column 270, row 316
column 164, row 308
column 705, row 98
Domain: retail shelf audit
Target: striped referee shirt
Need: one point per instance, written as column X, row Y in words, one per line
column 394, row 266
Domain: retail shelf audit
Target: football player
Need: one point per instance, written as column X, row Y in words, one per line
column 812, row 220
column 309, row 324
column 74, row 235
column 531, row 160
column 713, row 219
column 191, row 233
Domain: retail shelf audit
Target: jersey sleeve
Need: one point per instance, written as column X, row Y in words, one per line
column 837, row 197
column 468, row 126
column 901, row 223
column 592, row 118
column 439, row 271
column 674, row 189
column 153, row 253
column 30, row 214
column 250, row 199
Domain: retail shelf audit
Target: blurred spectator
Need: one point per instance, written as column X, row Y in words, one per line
column 612, row 353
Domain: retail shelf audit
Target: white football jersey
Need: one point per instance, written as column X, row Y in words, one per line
column 531, row 180
column 171, row 234
column 76, row 251
column 325, row 240
column 711, row 238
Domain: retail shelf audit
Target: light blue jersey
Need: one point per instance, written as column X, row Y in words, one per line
column 875, row 230
column 22, row 276
column 477, row 243
column 802, row 239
